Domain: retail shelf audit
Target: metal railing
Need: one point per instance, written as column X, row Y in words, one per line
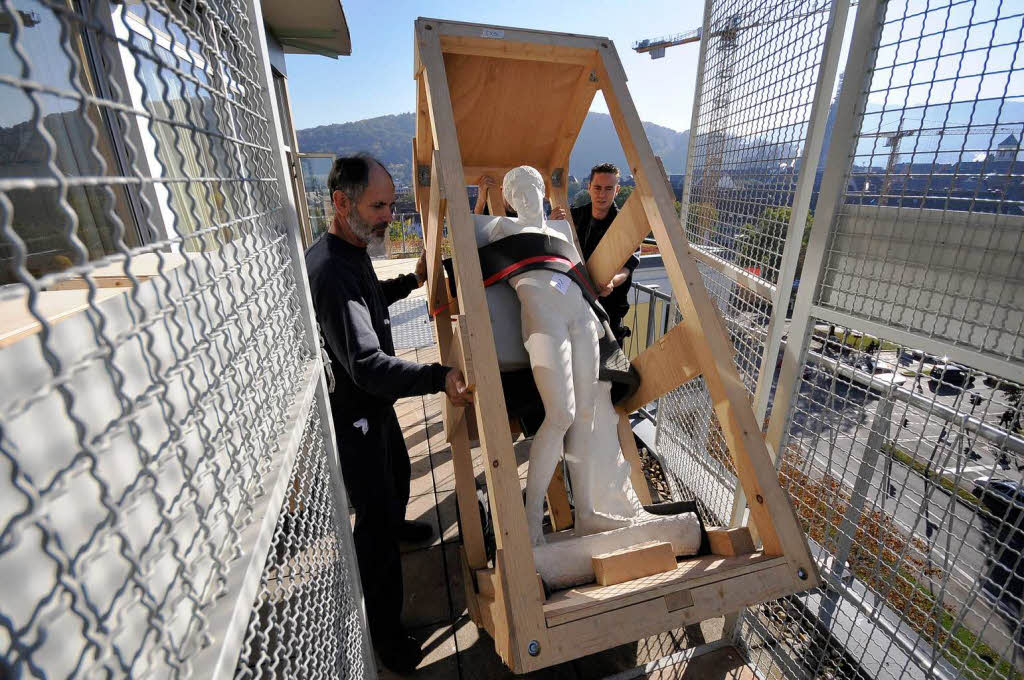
column 171, row 503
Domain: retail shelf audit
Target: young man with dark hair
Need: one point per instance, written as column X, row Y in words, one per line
column 352, row 311
column 592, row 221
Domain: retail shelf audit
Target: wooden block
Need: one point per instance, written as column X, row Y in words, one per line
column 559, row 509
column 731, row 542
column 636, row 561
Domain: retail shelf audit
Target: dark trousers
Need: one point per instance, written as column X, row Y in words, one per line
column 376, row 469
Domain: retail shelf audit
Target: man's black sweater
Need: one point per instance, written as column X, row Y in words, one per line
column 590, row 231
column 352, row 310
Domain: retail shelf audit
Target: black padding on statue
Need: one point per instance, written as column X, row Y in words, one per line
column 520, row 253
column 679, row 508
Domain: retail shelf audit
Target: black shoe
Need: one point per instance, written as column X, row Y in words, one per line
column 415, row 532
column 401, row 654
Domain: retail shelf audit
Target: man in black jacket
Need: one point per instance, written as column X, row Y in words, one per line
column 352, row 310
column 591, row 222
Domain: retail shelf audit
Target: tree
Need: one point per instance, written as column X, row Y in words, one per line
column 762, row 243
column 624, row 193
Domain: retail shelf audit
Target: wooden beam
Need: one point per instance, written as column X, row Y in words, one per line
column 519, row 574
column 506, row 37
column 648, row 617
column 576, row 603
column 773, row 514
column 459, row 354
column 627, row 442
column 664, row 366
column 472, row 600
column 559, row 509
column 433, row 232
column 624, row 236
column 634, row 562
column 501, row 49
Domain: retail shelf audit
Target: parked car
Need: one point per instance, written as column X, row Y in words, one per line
column 953, row 375
column 1002, row 518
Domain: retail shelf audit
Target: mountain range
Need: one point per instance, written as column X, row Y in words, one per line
column 389, row 137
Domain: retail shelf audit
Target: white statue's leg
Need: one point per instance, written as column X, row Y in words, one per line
column 586, row 453
column 546, row 335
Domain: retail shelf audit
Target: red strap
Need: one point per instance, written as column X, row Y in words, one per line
column 507, row 271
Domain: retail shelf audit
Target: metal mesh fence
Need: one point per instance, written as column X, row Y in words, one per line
column 154, row 342
column 903, row 445
column 760, row 66
column 305, row 622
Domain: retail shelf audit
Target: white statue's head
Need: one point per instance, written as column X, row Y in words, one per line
column 523, row 188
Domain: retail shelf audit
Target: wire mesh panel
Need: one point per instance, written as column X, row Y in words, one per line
column 902, row 448
column 156, row 348
column 759, row 78
column 305, row 622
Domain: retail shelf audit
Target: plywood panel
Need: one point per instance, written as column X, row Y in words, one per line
column 509, row 112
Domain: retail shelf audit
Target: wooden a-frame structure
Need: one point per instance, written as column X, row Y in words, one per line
column 492, row 98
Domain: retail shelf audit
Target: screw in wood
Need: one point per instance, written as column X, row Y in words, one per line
column 533, row 648
column 802, row 573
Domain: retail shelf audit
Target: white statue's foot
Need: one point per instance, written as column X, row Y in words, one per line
column 587, row 523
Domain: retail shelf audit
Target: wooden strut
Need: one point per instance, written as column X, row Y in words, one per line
column 457, row 139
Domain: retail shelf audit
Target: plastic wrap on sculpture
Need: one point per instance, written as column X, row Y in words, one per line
column 561, row 333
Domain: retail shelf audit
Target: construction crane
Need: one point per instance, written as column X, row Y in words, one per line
column 656, row 46
column 727, row 31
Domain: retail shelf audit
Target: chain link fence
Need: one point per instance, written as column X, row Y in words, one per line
column 171, row 504
column 900, row 439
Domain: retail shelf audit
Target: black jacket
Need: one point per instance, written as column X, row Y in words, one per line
column 352, row 309
column 590, row 232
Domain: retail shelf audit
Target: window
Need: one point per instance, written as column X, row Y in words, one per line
column 53, row 137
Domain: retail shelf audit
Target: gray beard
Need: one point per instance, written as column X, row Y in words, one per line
column 364, row 230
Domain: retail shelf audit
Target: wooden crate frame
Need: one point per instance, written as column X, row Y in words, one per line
column 473, row 116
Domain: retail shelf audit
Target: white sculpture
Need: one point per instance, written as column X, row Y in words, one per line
column 561, row 332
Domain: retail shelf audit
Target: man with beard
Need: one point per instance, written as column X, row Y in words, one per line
column 352, row 310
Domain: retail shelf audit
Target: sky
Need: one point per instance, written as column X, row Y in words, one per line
column 377, row 78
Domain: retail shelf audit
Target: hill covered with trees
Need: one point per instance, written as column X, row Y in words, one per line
column 388, row 138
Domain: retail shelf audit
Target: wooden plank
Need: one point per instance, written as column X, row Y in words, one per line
column 559, row 509
column 17, row 322
column 486, row 581
column 664, row 366
column 581, row 637
column 776, row 522
column 625, row 234
column 459, row 354
column 583, row 95
column 636, row 469
column 465, row 492
column 433, row 230
column 472, row 603
column 633, row 562
column 730, row 542
column 503, row 49
column 526, row 38
column 524, row 128
column 575, row 603
column 518, row 573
